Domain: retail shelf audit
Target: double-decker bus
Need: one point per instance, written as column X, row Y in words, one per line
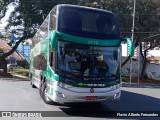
column 76, row 55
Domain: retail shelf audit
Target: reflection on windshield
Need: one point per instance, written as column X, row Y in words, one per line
column 107, row 60
column 88, row 23
column 85, row 60
column 73, row 58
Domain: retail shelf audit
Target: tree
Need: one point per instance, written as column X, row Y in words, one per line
column 4, row 55
column 147, row 21
column 3, row 9
column 30, row 14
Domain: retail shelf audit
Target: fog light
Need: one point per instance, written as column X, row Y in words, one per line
column 60, row 94
column 115, row 86
column 116, row 95
column 63, row 85
column 118, row 86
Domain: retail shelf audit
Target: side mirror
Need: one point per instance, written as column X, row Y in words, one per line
column 53, row 40
column 131, row 45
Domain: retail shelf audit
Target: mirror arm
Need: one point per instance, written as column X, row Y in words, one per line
column 53, row 40
column 131, row 45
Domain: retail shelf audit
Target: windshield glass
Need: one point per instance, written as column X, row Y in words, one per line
column 87, row 61
column 88, row 23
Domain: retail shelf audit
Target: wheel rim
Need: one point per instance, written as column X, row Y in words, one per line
column 45, row 93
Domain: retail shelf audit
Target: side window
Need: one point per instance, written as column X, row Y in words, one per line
column 35, row 40
column 43, row 30
column 35, row 62
column 40, row 62
column 53, row 19
column 52, row 60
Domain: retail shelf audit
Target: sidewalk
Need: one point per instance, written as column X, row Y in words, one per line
column 142, row 83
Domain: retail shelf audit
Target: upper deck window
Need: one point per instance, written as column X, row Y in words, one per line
column 88, row 23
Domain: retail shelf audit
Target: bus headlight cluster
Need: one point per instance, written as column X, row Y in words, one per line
column 60, row 94
column 115, row 86
column 63, row 85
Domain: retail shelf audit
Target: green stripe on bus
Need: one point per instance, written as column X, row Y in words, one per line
column 51, row 72
column 90, row 41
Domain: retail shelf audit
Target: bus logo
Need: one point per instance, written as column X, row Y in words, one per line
column 92, row 90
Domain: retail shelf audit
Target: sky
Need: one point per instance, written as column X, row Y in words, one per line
column 3, row 21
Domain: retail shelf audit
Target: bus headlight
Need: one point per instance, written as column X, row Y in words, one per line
column 63, row 85
column 115, row 86
column 60, row 94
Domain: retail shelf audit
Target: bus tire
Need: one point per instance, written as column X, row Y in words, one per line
column 40, row 89
column 44, row 96
column 33, row 86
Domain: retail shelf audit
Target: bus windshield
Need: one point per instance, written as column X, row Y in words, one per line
column 88, row 23
column 83, row 61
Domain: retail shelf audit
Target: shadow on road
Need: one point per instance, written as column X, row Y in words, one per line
column 130, row 103
column 97, row 110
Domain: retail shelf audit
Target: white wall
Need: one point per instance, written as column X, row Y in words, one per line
column 152, row 70
column 124, row 50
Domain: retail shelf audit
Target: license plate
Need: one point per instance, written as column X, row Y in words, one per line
column 91, row 97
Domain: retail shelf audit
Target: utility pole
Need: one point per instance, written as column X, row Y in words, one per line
column 131, row 67
column 138, row 60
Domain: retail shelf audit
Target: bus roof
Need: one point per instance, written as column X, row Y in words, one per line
column 85, row 7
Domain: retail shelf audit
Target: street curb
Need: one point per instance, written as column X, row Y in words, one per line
column 20, row 76
column 140, row 85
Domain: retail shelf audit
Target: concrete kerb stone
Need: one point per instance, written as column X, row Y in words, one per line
column 140, row 85
column 20, row 76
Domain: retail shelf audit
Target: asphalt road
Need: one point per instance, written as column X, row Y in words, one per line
column 17, row 95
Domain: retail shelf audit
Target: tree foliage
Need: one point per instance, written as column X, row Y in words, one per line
column 3, row 7
column 31, row 13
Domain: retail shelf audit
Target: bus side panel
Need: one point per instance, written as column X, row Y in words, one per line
column 40, row 61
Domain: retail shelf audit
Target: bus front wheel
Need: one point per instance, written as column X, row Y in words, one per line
column 44, row 96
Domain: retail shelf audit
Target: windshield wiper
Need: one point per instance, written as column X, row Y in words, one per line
column 112, row 77
column 70, row 75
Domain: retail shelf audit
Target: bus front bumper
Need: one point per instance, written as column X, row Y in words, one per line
column 63, row 95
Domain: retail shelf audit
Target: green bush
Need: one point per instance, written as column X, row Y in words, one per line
column 21, row 71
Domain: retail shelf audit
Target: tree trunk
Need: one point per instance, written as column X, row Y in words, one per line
column 5, row 67
column 144, row 65
column 128, row 58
